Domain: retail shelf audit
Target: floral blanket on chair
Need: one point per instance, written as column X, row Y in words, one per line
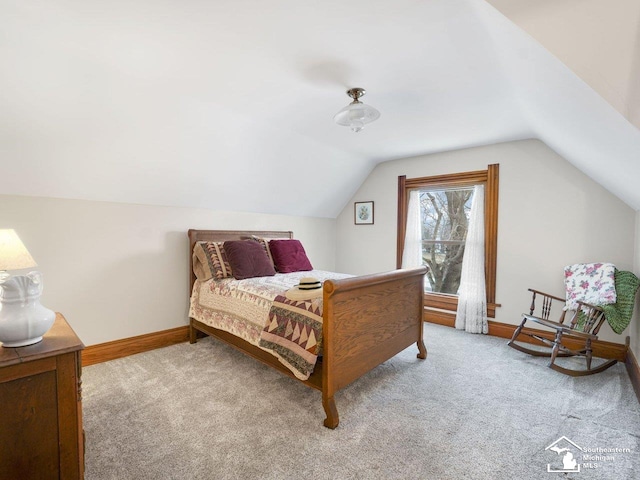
column 592, row 283
column 601, row 284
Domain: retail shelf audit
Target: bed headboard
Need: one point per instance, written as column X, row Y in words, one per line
column 223, row 236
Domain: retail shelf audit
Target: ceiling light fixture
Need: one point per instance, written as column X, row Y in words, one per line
column 357, row 114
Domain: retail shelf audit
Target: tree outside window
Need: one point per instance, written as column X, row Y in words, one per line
column 445, row 221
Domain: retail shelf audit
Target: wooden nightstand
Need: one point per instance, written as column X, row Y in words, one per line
column 41, row 434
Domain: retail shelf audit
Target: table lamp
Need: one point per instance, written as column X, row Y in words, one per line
column 23, row 321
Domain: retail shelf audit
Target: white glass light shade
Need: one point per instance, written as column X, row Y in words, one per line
column 356, row 115
column 13, row 254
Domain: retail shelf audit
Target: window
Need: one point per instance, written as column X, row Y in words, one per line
column 445, row 201
column 444, row 215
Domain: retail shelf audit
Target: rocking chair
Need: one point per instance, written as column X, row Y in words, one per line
column 583, row 328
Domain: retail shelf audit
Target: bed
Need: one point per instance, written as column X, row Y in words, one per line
column 365, row 320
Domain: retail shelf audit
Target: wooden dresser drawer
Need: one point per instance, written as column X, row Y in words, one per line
column 41, row 433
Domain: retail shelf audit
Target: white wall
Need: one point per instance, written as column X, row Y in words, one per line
column 635, row 323
column 120, row 270
column 550, row 215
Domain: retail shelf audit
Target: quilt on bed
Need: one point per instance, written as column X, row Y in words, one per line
column 257, row 311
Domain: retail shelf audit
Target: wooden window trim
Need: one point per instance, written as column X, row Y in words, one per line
column 490, row 178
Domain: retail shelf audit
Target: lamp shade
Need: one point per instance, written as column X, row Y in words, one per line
column 357, row 114
column 13, row 254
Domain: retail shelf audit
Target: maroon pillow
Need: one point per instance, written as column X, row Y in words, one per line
column 289, row 256
column 248, row 259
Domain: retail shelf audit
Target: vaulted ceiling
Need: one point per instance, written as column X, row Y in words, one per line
column 599, row 40
column 228, row 104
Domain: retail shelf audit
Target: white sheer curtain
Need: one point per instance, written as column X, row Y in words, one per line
column 472, row 294
column 412, row 253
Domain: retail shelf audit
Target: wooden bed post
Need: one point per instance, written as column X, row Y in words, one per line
column 193, row 333
column 422, row 350
column 383, row 312
column 328, row 387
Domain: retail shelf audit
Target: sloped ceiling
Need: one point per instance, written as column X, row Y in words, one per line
column 228, row 104
column 599, row 40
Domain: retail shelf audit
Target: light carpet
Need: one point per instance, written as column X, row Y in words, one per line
column 474, row 409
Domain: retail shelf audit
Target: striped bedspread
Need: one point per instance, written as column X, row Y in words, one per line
column 257, row 311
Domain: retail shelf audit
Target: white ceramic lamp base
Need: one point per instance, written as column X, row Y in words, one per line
column 23, row 320
column 22, row 343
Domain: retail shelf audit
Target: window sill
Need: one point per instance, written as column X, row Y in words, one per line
column 444, row 301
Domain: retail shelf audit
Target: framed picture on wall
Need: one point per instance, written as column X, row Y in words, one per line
column 363, row 213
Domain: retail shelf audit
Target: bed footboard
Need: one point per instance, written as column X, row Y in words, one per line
column 368, row 320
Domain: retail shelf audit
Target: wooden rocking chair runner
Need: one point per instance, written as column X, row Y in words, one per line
column 584, row 326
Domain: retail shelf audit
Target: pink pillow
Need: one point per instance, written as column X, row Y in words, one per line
column 248, row 259
column 289, row 256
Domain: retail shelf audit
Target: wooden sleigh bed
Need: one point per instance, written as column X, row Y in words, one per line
column 366, row 321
